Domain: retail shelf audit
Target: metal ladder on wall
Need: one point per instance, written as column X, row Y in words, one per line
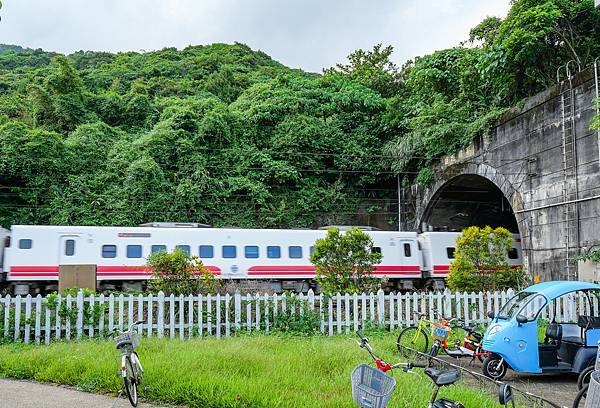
column 570, row 186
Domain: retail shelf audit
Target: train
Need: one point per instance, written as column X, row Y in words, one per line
column 278, row 259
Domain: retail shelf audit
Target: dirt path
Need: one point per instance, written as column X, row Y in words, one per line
column 26, row 394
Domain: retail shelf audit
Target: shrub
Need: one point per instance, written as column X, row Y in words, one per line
column 481, row 262
column 178, row 273
column 344, row 263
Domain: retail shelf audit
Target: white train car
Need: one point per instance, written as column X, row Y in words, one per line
column 36, row 253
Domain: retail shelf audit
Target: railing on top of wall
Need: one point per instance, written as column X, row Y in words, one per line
column 52, row 318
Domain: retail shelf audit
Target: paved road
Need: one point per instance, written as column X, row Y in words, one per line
column 559, row 389
column 25, row 394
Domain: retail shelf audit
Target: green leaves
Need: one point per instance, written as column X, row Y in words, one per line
column 344, row 263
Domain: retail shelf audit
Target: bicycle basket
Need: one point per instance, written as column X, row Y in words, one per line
column 439, row 331
column 127, row 338
column 371, row 388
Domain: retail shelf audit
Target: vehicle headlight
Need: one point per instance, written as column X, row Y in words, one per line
column 495, row 329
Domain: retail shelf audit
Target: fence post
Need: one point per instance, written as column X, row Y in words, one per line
column 347, row 312
column 227, row 330
column 237, row 305
column 150, row 318
column 140, row 314
column 190, row 316
column 355, row 311
column 160, row 320
column 249, row 312
column 6, row 315
column 58, row 322
column 391, row 297
column 91, row 321
column 47, row 328
column 399, row 309
column 68, row 320
column 218, row 319
column 38, row 318
column 172, row 316
column 330, row 315
column 121, row 311
column 79, row 314
column 181, row 318
column 17, row 317
column 267, row 313
column 27, row 318
column 200, row 315
column 130, row 306
column 381, row 307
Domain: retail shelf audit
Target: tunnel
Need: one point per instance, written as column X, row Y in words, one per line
column 468, row 200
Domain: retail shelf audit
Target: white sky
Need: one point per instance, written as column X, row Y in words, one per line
column 308, row 34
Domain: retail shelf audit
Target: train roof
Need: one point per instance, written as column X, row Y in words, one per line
column 179, row 229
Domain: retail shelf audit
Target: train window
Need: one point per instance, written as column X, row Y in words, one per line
column 109, row 251
column 377, row 250
column 25, row 243
column 156, row 248
column 70, row 247
column 513, row 253
column 251, row 251
column 134, row 251
column 229, row 251
column 273, row 252
column 311, row 250
column 184, row 248
column 450, row 252
column 407, row 252
column 295, row 252
column 206, row 251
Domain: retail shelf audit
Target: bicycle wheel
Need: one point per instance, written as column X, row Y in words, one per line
column 138, row 369
column 412, row 338
column 579, row 401
column 130, row 382
column 584, row 377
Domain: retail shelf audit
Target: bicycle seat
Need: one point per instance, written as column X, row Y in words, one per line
column 441, row 377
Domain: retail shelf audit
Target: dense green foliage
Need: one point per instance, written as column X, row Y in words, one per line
column 178, row 273
column 247, row 371
column 345, row 262
column 224, row 135
column 481, row 262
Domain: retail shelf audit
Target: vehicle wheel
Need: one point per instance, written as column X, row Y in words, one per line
column 138, row 370
column 130, row 381
column 412, row 338
column 494, row 367
column 481, row 354
column 579, row 401
column 584, row 377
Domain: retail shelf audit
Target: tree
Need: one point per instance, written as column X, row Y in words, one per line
column 481, row 262
column 344, row 263
column 178, row 273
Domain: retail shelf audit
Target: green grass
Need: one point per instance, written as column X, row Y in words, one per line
column 252, row 371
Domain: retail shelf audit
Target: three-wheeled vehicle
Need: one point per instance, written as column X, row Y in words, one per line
column 570, row 309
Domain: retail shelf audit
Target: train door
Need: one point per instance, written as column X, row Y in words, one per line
column 69, row 250
column 409, row 256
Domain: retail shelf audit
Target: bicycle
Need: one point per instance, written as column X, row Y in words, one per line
column 131, row 369
column 465, row 340
column 372, row 387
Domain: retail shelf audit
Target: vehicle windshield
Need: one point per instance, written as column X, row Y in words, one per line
column 534, row 302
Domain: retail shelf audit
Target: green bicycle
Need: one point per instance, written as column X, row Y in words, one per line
column 416, row 337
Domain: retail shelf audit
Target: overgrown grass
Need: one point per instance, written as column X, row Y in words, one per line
column 247, row 371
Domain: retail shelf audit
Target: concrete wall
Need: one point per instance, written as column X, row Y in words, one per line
column 524, row 159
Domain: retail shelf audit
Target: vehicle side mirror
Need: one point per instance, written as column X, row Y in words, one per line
column 491, row 314
column 521, row 319
column 505, row 395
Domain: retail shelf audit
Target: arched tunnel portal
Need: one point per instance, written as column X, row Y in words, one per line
column 468, row 200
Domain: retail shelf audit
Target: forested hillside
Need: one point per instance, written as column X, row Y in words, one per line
column 225, row 135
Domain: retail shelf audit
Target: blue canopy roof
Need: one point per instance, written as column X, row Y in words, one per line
column 555, row 289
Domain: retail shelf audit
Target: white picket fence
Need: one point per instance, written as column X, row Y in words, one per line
column 45, row 319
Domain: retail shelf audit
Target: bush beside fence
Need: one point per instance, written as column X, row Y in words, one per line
column 46, row 319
